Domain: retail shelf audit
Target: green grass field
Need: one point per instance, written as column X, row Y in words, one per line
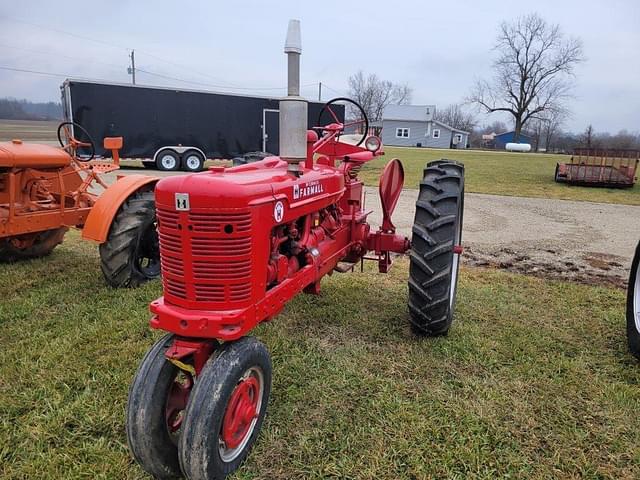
column 501, row 173
column 533, row 381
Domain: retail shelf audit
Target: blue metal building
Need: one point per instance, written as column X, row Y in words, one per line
column 501, row 140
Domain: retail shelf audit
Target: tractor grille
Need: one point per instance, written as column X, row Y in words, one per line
column 206, row 257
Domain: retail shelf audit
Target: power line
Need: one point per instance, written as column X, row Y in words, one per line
column 191, row 69
column 57, row 55
column 50, row 74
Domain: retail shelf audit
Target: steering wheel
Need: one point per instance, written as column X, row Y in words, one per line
column 73, row 144
column 363, row 116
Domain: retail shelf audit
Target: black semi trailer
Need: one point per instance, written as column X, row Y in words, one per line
column 172, row 129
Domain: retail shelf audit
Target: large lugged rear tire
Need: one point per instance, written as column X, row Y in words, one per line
column 633, row 305
column 31, row 245
column 131, row 255
column 435, row 256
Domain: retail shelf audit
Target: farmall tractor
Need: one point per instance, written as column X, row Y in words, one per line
column 44, row 190
column 237, row 244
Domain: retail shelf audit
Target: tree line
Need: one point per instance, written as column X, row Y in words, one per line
column 14, row 109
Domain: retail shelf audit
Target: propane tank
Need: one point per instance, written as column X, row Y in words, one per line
column 518, row 147
column 293, row 108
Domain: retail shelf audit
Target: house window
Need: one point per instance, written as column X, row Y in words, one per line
column 436, row 133
column 457, row 138
column 402, row 133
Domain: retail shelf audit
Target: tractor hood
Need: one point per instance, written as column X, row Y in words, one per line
column 249, row 185
column 15, row 154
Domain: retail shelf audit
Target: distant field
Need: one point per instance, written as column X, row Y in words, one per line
column 41, row 131
column 500, row 173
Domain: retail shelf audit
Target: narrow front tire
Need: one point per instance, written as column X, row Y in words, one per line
column 226, row 410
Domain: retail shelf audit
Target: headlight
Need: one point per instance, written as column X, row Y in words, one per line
column 373, row 144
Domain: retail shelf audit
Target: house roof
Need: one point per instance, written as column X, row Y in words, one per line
column 411, row 113
column 415, row 113
column 442, row 124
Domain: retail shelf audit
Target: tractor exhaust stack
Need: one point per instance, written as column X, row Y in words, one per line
column 293, row 108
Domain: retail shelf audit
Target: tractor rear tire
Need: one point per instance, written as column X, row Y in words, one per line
column 226, row 410
column 131, row 255
column 42, row 245
column 437, row 229
column 633, row 305
column 151, row 443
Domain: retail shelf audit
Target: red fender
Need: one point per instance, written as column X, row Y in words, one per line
column 106, row 207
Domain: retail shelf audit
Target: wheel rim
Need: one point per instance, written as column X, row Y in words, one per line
column 148, row 254
column 241, row 414
column 193, row 162
column 455, row 266
column 168, row 161
column 636, row 298
column 176, row 404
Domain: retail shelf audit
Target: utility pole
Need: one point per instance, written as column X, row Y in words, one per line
column 320, row 92
column 132, row 69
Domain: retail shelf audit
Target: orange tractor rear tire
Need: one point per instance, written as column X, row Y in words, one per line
column 30, row 245
column 130, row 256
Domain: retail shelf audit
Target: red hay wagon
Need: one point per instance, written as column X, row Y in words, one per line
column 596, row 167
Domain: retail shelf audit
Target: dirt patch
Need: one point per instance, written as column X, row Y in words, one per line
column 588, row 269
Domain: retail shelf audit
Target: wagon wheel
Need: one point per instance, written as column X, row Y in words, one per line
column 363, row 120
column 72, row 144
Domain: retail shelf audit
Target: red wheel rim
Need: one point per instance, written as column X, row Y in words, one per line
column 177, row 401
column 241, row 414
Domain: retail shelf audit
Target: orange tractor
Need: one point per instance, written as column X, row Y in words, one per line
column 44, row 190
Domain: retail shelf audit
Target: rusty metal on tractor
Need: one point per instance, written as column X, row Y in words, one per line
column 238, row 243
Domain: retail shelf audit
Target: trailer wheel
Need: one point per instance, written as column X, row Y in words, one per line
column 131, row 254
column 435, row 248
column 633, row 305
column 192, row 161
column 226, row 410
column 30, row 245
column 167, row 161
column 158, row 396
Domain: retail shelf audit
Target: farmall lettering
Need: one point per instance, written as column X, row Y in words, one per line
column 307, row 189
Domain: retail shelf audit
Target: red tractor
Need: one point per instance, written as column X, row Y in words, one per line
column 44, row 190
column 236, row 245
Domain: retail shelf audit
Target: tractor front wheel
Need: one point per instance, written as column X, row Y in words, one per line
column 436, row 248
column 131, row 254
column 633, row 305
column 31, row 245
column 158, row 397
column 226, row 410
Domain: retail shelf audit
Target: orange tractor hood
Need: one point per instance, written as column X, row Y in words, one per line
column 16, row 154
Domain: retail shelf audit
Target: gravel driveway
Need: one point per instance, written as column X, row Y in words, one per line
column 582, row 241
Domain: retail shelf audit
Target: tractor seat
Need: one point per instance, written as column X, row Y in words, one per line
column 16, row 154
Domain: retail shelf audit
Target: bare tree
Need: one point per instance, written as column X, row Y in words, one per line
column 456, row 116
column 545, row 126
column 375, row 94
column 587, row 137
column 533, row 72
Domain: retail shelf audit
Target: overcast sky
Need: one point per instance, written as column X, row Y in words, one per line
column 438, row 48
